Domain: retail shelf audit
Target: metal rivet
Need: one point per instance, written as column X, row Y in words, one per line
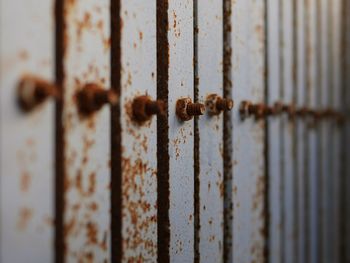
column 185, row 109
column 92, row 97
column 215, row 104
column 33, row 91
column 144, row 108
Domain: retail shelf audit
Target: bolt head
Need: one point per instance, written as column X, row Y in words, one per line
column 181, row 109
column 211, row 104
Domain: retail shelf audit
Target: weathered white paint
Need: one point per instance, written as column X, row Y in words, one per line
column 274, row 132
column 181, row 171
column 26, row 140
column 248, row 78
column 139, row 141
column 87, row 139
column 210, row 81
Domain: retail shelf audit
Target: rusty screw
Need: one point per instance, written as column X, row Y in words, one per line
column 185, row 109
column 315, row 114
column 247, row 109
column 289, row 109
column 215, row 104
column 92, row 97
column 33, row 91
column 144, row 108
column 302, row 112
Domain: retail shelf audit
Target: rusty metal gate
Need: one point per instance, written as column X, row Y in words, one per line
column 174, row 131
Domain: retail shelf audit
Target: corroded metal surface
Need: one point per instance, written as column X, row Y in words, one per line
column 181, row 171
column 86, row 138
column 139, row 140
column 210, row 131
column 26, row 138
column 248, row 185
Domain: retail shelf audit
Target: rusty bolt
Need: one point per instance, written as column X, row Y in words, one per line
column 302, row 112
column 215, row 104
column 33, row 91
column 316, row 114
column 92, row 97
column 185, row 109
column 244, row 108
column 247, row 109
column 278, row 108
column 289, row 109
column 271, row 110
column 258, row 110
column 144, row 108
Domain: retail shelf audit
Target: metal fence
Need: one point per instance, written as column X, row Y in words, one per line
column 174, row 131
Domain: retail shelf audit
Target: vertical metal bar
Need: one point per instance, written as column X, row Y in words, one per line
column 300, row 132
column 116, row 136
column 288, row 144
column 336, row 84
column 163, row 156
column 139, row 140
column 345, row 205
column 26, row 139
column 274, row 132
column 210, row 129
column 248, row 186
column 312, row 153
column 345, row 236
column 227, row 129
column 86, row 138
column 347, row 91
column 325, row 172
column 181, row 173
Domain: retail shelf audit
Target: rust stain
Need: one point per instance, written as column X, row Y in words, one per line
column 25, row 181
column 24, row 217
column 135, row 173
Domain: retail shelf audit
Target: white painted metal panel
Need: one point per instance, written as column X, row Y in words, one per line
column 312, row 151
column 26, row 139
column 274, row 132
column 181, row 171
column 288, row 144
column 300, row 133
column 87, row 139
column 210, row 128
column 248, row 78
column 139, row 140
